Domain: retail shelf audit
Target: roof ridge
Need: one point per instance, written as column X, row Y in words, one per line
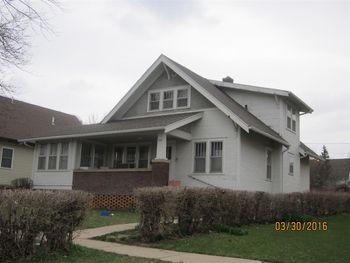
column 36, row 106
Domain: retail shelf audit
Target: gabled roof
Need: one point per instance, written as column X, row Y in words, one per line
column 167, row 123
column 306, row 151
column 246, row 120
column 19, row 119
column 283, row 93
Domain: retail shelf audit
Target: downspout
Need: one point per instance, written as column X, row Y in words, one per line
column 282, row 174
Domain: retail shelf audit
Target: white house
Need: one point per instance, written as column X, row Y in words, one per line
column 175, row 127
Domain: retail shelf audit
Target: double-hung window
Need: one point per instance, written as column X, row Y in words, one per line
column 63, row 160
column 6, row 157
column 291, row 118
column 200, row 156
column 42, row 157
column 168, row 99
column 53, row 156
column 268, row 164
column 216, row 157
column 154, row 101
column 214, row 154
column 291, row 167
column 182, row 98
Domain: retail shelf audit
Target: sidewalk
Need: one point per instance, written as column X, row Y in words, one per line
column 83, row 239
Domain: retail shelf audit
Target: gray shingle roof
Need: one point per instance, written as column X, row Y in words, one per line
column 19, row 119
column 253, row 122
column 156, row 122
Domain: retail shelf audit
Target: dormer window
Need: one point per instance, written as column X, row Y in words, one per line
column 169, row 99
column 291, row 118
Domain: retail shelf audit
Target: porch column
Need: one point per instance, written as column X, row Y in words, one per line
column 161, row 147
column 160, row 165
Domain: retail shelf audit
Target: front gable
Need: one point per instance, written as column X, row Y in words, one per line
column 163, row 83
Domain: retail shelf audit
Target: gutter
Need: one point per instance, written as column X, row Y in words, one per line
column 89, row 134
column 281, row 141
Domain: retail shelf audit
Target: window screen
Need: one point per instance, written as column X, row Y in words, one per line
column 216, row 157
column 200, row 156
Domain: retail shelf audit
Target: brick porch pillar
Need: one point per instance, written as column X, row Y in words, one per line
column 160, row 172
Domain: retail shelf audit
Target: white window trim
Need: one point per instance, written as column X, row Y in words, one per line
column 161, row 98
column 137, row 154
column 267, row 149
column 207, row 157
column 194, row 156
column 13, row 156
column 47, row 155
column 291, row 159
column 292, row 117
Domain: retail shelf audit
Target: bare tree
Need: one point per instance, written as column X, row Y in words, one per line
column 92, row 119
column 17, row 18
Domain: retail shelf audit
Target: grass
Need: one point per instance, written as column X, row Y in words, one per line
column 266, row 244
column 85, row 255
column 93, row 218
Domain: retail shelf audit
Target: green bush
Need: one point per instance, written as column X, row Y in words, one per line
column 22, row 183
column 182, row 211
column 44, row 221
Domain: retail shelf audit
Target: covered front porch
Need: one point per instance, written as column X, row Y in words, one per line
column 120, row 163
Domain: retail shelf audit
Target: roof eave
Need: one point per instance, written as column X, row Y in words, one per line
column 83, row 135
column 279, row 140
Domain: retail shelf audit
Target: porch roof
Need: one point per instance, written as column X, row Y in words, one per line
column 165, row 123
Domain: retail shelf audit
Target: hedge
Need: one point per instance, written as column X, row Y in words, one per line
column 38, row 221
column 182, row 211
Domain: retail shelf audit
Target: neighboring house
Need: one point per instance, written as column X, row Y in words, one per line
column 340, row 172
column 20, row 119
column 175, row 127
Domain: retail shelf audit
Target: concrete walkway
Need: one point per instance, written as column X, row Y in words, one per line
column 83, row 239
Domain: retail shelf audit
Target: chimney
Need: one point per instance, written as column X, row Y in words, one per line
column 228, row 79
column 53, row 121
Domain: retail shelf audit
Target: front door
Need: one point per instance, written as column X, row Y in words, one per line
column 171, row 156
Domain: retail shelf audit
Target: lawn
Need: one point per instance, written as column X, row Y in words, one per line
column 93, row 218
column 264, row 243
column 85, row 255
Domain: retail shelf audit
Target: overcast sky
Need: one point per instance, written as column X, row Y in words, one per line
column 100, row 48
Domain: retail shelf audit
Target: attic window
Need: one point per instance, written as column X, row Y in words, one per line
column 169, row 99
column 154, row 101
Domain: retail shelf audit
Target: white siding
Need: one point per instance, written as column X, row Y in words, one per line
column 214, row 125
column 253, row 164
column 266, row 107
column 58, row 179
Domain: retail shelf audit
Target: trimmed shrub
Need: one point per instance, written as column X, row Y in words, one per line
column 22, row 183
column 183, row 211
column 44, row 221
